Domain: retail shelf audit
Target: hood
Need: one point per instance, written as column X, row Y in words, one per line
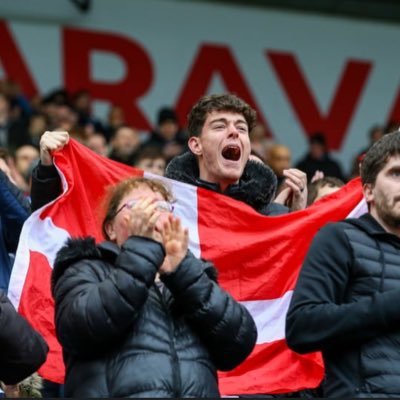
column 77, row 249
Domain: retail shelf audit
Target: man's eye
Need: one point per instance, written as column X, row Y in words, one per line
column 242, row 129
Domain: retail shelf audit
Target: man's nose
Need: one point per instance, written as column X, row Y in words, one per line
column 232, row 130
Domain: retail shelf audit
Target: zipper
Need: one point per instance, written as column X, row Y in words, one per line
column 176, row 376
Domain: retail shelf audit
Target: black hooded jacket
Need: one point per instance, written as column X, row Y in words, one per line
column 346, row 304
column 123, row 335
column 256, row 187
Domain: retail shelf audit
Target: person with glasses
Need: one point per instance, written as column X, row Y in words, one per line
column 138, row 315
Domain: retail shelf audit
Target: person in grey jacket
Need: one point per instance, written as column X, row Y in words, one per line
column 346, row 301
column 139, row 315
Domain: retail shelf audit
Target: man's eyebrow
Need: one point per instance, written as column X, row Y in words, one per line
column 239, row 121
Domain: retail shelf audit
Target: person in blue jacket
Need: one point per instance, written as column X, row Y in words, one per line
column 14, row 210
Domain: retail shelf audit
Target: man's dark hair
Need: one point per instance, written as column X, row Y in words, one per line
column 219, row 102
column 318, row 138
column 377, row 156
column 151, row 152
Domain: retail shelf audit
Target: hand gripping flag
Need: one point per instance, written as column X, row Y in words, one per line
column 258, row 259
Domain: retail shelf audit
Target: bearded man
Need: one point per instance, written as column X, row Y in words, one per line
column 346, row 301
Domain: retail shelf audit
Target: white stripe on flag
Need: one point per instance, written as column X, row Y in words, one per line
column 270, row 317
column 185, row 208
column 360, row 209
column 37, row 235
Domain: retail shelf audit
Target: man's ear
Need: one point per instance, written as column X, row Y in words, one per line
column 195, row 145
column 110, row 231
column 368, row 192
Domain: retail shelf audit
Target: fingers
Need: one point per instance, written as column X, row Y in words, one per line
column 317, row 176
column 141, row 218
column 284, row 196
column 52, row 141
column 295, row 177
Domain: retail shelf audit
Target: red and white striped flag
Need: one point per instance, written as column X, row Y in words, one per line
column 258, row 259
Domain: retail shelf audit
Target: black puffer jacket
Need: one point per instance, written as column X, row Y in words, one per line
column 346, row 304
column 124, row 336
column 23, row 350
column 256, row 187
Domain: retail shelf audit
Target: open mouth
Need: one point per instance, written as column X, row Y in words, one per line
column 231, row 152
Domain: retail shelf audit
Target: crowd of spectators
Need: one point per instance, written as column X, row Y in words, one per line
column 23, row 121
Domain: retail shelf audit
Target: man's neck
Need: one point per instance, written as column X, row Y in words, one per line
column 222, row 185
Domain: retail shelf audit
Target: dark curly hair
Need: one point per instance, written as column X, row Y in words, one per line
column 219, row 102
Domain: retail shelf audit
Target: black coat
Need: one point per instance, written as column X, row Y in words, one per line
column 23, row 350
column 346, row 304
column 124, row 335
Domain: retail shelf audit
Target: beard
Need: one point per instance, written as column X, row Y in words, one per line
column 386, row 211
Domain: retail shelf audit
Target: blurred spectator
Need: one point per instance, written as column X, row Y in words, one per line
column 97, row 142
column 374, row 134
column 81, row 102
column 151, row 159
column 15, row 177
column 322, row 187
column 20, row 106
column 66, row 118
column 14, row 210
column 259, row 142
column 125, row 144
column 168, row 136
column 60, row 114
column 25, row 157
column 37, row 125
column 115, row 119
column 13, row 132
column 319, row 159
column 279, row 158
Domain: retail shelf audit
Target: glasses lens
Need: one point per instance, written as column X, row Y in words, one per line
column 130, row 204
column 164, row 206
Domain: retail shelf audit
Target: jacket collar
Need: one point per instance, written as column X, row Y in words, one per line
column 371, row 226
column 256, row 187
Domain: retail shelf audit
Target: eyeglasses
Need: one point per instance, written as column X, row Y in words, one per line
column 161, row 205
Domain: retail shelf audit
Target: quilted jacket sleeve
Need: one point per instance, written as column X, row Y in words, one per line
column 224, row 325
column 46, row 185
column 97, row 302
column 23, row 350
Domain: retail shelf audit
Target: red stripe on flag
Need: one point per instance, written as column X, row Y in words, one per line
column 37, row 306
column 85, row 189
column 259, row 257
column 279, row 375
